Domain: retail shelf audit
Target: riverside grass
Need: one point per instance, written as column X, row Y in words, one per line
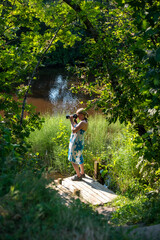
column 52, row 141
column 111, row 145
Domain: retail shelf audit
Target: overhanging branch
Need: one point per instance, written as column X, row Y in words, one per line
column 84, row 18
column 34, row 72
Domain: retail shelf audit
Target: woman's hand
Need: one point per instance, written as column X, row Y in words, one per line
column 71, row 118
column 72, row 121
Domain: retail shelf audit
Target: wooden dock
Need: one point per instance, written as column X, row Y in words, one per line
column 89, row 190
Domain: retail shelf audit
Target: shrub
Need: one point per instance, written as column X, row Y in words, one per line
column 31, row 210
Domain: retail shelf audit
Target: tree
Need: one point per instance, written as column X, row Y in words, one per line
column 28, row 29
column 124, row 63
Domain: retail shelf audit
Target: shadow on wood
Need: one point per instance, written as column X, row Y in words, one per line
column 90, row 190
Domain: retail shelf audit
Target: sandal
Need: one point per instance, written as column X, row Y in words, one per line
column 76, row 178
column 83, row 175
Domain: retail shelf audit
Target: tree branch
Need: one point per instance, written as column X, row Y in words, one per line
column 34, row 72
column 84, row 18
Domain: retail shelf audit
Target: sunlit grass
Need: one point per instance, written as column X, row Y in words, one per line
column 111, row 145
column 52, row 141
column 100, row 133
column 136, row 210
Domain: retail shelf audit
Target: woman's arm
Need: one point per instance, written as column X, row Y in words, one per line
column 80, row 125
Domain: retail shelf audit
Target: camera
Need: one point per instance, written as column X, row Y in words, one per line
column 74, row 116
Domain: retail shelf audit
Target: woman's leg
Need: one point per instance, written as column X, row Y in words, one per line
column 82, row 168
column 76, row 168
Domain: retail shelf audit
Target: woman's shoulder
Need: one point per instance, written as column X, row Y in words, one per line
column 84, row 124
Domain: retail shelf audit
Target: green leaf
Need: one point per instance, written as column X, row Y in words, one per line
column 158, row 55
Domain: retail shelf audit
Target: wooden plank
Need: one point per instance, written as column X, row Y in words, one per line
column 91, row 180
column 98, row 194
column 64, row 192
column 84, row 194
column 110, row 195
column 96, row 169
column 86, row 191
column 103, row 190
column 91, row 190
column 96, row 185
column 99, row 186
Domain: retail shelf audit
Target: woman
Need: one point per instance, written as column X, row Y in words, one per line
column 76, row 144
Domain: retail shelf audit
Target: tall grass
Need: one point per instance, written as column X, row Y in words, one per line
column 111, row 145
column 29, row 203
column 141, row 209
column 122, row 163
column 44, row 142
column 52, row 141
column 100, row 134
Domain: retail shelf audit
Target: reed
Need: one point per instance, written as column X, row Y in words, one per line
column 51, row 142
column 111, row 145
column 100, row 134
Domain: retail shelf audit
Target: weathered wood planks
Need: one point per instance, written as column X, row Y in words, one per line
column 90, row 190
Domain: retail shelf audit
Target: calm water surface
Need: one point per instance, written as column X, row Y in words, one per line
column 51, row 94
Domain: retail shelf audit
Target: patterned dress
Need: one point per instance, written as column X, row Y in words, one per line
column 76, row 146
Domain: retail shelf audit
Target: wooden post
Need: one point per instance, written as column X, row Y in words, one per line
column 96, row 169
column 60, row 180
column 76, row 192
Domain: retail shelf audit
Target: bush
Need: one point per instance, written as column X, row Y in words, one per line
column 31, row 210
column 140, row 209
column 111, row 145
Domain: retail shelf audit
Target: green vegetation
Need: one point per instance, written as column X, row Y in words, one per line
column 32, row 211
column 141, row 209
column 52, row 140
column 118, row 66
column 114, row 147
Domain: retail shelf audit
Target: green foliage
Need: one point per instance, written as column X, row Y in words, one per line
column 120, row 72
column 60, row 148
column 27, row 28
column 99, row 134
column 119, row 169
column 143, row 208
column 122, row 77
column 32, row 203
column 111, row 145
column 14, row 155
column 52, row 142
column 64, row 55
column 13, row 134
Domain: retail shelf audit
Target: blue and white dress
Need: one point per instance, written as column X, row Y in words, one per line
column 76, row 146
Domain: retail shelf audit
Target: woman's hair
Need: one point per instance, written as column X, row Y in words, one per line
column 83, row 111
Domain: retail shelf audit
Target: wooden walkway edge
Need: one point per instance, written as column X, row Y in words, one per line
column 89, row 190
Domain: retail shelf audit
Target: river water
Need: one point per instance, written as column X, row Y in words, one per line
column 51, row 94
